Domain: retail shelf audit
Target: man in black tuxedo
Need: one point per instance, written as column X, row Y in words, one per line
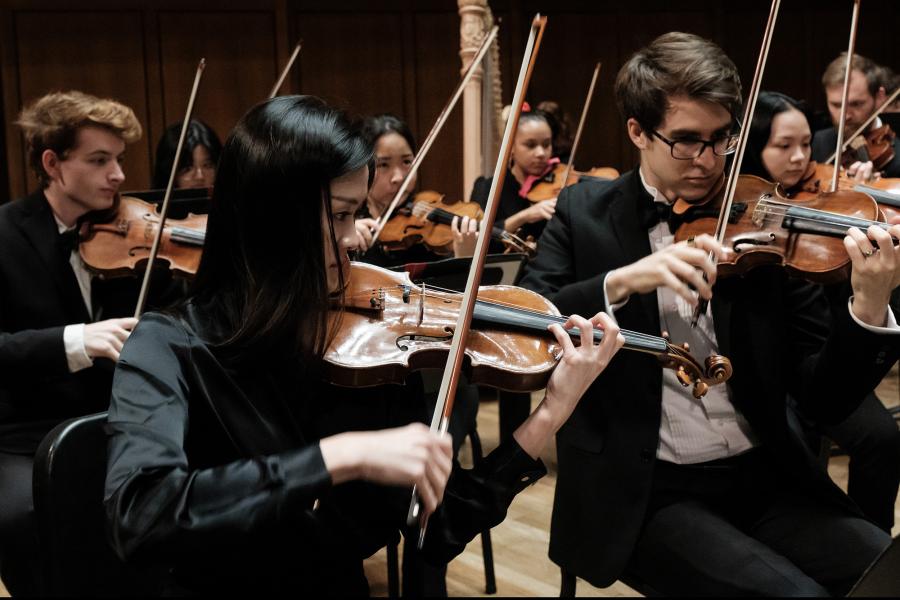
column 718, row 495
column 866, row 94
column 52, row 347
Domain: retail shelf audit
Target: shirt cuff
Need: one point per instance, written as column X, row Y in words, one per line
column 76, row 355
column 891, row 327
column 609, row 308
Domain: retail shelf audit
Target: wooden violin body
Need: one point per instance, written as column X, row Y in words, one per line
column 551, row 184
column 885, row 190
column 428, row 221
column 876, row 145
column 803, row 235
column 389, row 327
column 121, row 246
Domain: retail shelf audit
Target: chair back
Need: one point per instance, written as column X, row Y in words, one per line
column 69, row 479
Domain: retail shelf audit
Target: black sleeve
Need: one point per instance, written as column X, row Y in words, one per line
column 838, row 361
column 33, row 353
column 551, row 273
column 157, row 505
column 481, row 189
column 478, row 499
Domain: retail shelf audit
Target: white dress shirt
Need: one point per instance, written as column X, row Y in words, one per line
column 73, row 335
column 711, row 428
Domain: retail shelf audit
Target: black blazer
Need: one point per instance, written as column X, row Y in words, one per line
column 825, row 141
column 777, row 331
column 39, row 296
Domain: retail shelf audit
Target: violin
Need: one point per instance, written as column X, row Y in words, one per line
column 427, row 220
column 551, row 184
column 885, row 191
column 876, row 145
column 120, row 245
column 804, row 235
column 388, row 327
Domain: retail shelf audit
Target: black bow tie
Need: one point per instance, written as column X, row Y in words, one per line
column 67, row 241
column 653, row 213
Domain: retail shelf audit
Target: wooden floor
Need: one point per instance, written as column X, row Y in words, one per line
column 521, row 541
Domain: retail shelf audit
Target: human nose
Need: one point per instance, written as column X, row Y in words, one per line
column 798, row 155
column 117, row 175
column 397, row 175
column 706, row 159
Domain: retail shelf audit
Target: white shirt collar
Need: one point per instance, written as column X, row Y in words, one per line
column 657, row 196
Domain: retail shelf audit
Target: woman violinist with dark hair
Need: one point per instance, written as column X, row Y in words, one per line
column 197, row 167
column 230, row 460
column 532, row 159
column 778, row 149
column 395, row 149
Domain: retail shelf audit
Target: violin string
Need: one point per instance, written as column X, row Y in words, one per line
column 636, row 335
column 771, row 208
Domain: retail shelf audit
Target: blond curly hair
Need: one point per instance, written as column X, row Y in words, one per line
column 52, row 123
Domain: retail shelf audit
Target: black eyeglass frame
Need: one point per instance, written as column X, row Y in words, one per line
column 731, row 137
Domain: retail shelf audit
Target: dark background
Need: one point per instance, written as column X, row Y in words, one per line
column 399, row 56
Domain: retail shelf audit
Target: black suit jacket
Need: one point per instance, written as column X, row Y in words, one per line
column 39, row 296
column 825, row 141
column 777, row 332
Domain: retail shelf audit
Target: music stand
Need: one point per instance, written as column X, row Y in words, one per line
column 451, row 273
column 882, row 578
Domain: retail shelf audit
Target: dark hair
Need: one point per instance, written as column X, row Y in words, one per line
column 565, row 134
column 676, row 64
column 379, row 125
column 768, row 106
column 536, row 114
column 263, row 277
column 198, row 134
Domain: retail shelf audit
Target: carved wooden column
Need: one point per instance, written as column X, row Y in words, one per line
column 472, row 31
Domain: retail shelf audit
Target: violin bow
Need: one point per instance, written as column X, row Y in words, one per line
column 286, row 70
column 435, row 130
column 866, row 123
column 154, row 249
column 749, row 110
column 584, row 112
column 846, row 93
column 450, row 380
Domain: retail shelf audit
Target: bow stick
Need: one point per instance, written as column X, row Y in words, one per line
column 731, row 185
column 584, row 112
column 154, row 249
column 287, row 68
column 450, row 380
column 840, row 129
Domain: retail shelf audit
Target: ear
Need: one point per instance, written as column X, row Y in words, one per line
column 636, row 133
column 50, row 162
column 880, row 96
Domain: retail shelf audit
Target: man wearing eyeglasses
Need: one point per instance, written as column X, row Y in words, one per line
column 716, row 496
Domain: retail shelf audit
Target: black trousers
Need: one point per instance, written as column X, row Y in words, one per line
column 19, row 553
column 739, row 527
column 871, row 439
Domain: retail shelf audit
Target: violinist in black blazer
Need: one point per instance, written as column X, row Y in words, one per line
column 52, row 343
column 718, row 495
column 866, row 94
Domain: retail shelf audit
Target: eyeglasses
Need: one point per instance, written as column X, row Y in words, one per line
column 691, row 149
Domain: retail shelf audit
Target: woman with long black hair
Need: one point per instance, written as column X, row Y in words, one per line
column 230, row 460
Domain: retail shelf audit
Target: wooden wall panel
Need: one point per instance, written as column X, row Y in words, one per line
column 240, row 52
column 109, row 63
column 350, row 61
column 437, row 70
column 397, row 56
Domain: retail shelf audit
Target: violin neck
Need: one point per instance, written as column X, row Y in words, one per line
column 806, row 220
column 444, row 217
column 191, row 237
column 522, row 319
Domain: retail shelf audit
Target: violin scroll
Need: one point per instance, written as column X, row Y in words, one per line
column 716, row 369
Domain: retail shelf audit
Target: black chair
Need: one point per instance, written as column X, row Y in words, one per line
column 882, row 578
column 69, row 474
column 569, row 581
